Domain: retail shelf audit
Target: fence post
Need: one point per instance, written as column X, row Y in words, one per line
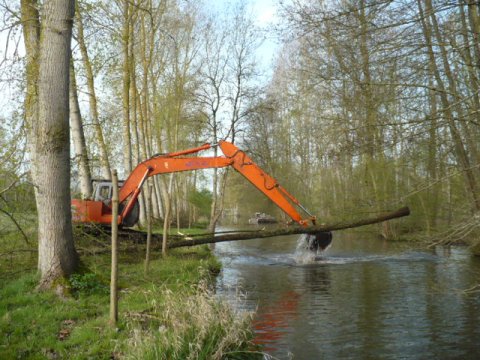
column 149, row 227
column 114, row 270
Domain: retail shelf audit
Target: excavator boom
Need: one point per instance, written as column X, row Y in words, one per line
column 97, row 211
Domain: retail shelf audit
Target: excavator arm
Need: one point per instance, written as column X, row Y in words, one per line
column 99, row 212
column 265, row 183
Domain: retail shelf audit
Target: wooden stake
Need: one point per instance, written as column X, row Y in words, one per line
column 149, row 227
column 114, row 271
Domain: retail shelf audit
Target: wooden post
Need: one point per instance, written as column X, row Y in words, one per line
column 149, row 226
column 114, row 271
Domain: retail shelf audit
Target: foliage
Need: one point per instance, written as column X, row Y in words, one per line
column 202, row 200
column 372, row 105
column 360, row 112
column 87, row 283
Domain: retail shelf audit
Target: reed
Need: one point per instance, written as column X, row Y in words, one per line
column 189, row 325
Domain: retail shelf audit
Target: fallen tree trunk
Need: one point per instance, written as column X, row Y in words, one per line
column 211, row 238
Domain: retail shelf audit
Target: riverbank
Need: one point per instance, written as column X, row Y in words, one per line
column 171, row 313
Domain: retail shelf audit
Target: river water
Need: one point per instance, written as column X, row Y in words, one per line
column 364, row 298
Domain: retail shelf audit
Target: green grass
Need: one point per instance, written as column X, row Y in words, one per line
column 30, row 322
column 171, row 313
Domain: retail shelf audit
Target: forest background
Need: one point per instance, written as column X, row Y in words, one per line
column 368, row 105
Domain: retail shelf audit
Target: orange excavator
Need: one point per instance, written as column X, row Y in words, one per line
column 99, row 210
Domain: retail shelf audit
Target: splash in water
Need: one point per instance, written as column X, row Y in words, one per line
column 304, row 253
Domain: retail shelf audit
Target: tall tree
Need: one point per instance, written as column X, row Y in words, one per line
column 56, row 252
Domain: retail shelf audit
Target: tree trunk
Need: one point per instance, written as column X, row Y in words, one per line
column 126, row 88
column 475, row 25
column 92, row 98
column 149, row 225
column 168, row 206
column 56, row 252
column 210, row 238
column 78, row 137
column 247, row 235
column 433, row 195
column 114, row 264
column 213, row 209
column 31, row 36
column 158, row 190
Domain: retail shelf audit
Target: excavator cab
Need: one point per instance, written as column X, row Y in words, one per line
column 103, row 190
column 87, row 211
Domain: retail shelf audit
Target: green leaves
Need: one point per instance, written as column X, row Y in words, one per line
column 88, row 283
column 202, row 200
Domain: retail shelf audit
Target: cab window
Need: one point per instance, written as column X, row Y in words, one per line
column 104, row 193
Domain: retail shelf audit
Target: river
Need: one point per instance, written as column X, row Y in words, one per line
column 364, row 298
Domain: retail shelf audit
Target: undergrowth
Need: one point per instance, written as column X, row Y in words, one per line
column 171, row 313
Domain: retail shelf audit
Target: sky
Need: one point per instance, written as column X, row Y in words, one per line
column 265, row 10
column 266, row 16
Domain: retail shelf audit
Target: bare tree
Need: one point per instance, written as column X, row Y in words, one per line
column 229, row 68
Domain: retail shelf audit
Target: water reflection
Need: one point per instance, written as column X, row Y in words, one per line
column 273, row 319
column 316, row 279
column 365, row 298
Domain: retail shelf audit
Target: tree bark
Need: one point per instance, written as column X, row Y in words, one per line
column 209, row 238
column 56, row 252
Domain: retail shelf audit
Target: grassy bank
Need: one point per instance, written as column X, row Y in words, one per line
column 171, row 313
